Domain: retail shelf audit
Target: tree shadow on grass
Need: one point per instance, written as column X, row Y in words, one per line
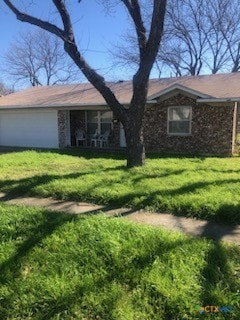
column 217, row 270
column 157, row 176
column 217, row 277
column 123, row 272
column 44, row 225
column 126, row 276
column 35, row 235
column 75, row 152
column 228, row 213
column 193, row 187
column 94, row 153
column 217, row 280
column 26, row 186
column 133, row 281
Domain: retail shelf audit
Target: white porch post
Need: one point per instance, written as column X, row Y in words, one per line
column 235, row 116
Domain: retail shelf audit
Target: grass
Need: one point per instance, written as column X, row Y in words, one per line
column 201, row 187
column 58, row 266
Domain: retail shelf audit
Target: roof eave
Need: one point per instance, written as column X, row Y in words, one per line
column 219, row 101
column 79, row 106
column 177, row 87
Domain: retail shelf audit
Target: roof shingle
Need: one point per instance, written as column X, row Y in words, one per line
column 215, row 86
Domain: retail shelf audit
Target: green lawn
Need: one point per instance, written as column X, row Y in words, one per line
column 56, row 266
column 202, row 187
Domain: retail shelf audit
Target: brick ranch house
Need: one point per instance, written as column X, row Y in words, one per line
column 191, row 115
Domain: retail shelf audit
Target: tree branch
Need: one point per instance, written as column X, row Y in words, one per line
column 24, row 17
column 134, row 10
column 65, row 19
column 140, row 79
column 157, row 23
column 71, row 48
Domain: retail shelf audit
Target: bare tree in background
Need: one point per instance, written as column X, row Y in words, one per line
column 4, row 90
column 222, row 34
column 225, row 21
column 38, row 58
column 199, row 36
column 148, row 41
column 185, row 45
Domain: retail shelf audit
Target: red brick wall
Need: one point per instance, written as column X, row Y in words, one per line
column 211, row 128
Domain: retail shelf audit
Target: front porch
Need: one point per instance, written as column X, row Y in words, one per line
column 93, row 129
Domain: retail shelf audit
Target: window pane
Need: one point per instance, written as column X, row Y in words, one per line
column 106, row 116
column 92, row 122
column 105, row 127
column 92, row 116
column 99, row 120
column 179, row 113
column 179, row 127
column 91, row 128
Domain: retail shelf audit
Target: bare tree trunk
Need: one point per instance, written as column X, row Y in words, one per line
column 135, row 143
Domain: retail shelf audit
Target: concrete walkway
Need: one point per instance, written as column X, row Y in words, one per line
column 199, row 228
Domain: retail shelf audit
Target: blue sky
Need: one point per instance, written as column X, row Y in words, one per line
column 94, row 29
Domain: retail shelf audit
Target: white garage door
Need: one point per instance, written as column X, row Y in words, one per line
column 29, row 129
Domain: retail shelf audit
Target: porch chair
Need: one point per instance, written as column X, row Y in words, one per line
column 80, row 136
column 103, row 139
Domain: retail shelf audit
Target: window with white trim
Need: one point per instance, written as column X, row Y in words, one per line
column 179, row 120
column 98, row 121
